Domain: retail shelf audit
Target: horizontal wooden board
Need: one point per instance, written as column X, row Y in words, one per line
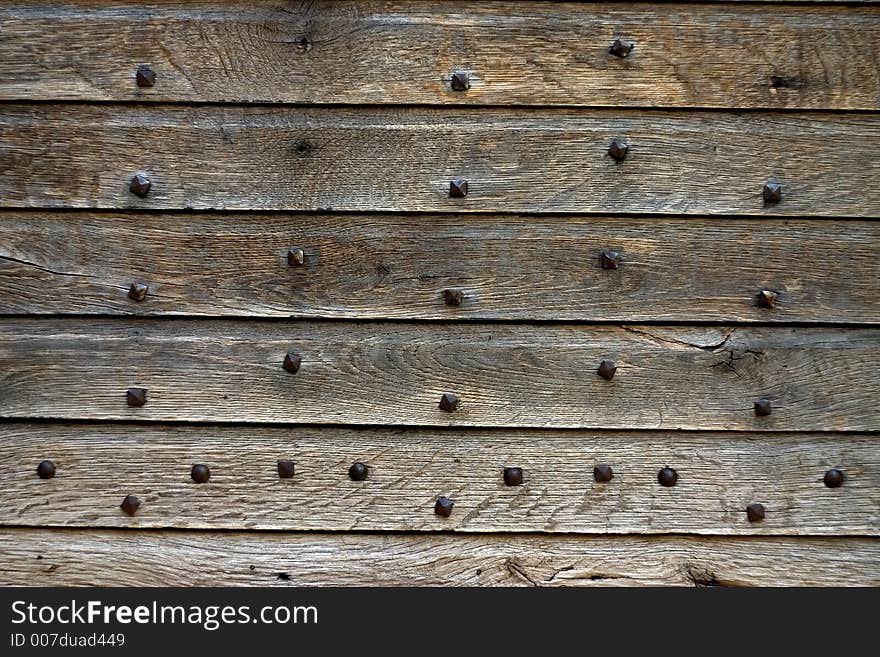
column 505, row 375
column 397, row 266
column 719, row 474
column 42, row 557
column 516, row 53
column 263, row 158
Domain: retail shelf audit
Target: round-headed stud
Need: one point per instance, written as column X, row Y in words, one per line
column 449, row 402
column 46, row 470
column 130, row 504
column 833, row 478
column 513, row 476
column 138, row 291
column 200, row 473
column 460, row 81
column 296, row 257
column 667, row 477
column 357, row 471
column 621, row 48
column 140, row 185
column 443, row 506
column 603, row 474
column 755, row 512
column 763, row 407
column 458, row 188
column 292, row 362
column 145, row 76
column 136, row 396
column 606, row 369
column 285, row 469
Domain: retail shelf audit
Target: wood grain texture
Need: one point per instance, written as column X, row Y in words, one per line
column 171, row 558
column 260, row 158
column 397, row 266
column 505, row 375
column 517, row 53
column 719, row 474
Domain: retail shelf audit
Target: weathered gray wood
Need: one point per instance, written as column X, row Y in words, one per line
column 506, row 375
column 397, row 266
column 403, row 159
column 719, row 474
column 524, row 53
column 172, row 558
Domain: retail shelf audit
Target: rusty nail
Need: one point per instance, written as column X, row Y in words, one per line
column 285, row 469
column 603, row 474
column 130, row 504
column 513, row 476
column 46, row 470
column 667, row 477
column 755, row 512
column 140, row 185
column 618, row 150
column 200, row 473
column 453, row 297
column 606, row 370
column 296, row 257
column 145, row 76
column 136, row 396
column 449, row 402
column 458, row 188
column 833, row 478
column 772, row 193
column 621, row 48
column 137, row 291
column 461, row 81
column 762, row 407
column 610, row 259
column 443, row 506
column 357, row 471
column 767, row 298
column 292, row 362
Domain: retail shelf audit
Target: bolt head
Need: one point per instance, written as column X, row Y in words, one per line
column 833, row 478
column 130, row 504
column 772, row 193
column 200, row 473
column 292, row 362
column 621, row 48
column 449, row 402
column 296, row 257
column 667, row 477
column 138, row 291
column 603, row 474
column 618, row 150
column 136, row 396
column 145, row 76
column 285, row 469
column 453, row 297
column 767, row 298
column 755, row 512
column 763, row 407
column 606, row 370
column 609, row 259
column 443, row 506
column 140, row 185
column 461, row 81
column 458, row 188
column 513, row 476
column 46, row 470
column 357, row 471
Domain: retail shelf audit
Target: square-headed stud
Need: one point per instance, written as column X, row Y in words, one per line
column 609, row 260
column 763, row 407
column 138, row 291
column 460, row 81
column 772, row 193
column 606, row 369
column 458, row 188
column 617, row 149
column 443, row 507
column 292, row 362
column 449, row 402
column 767, row 298
column 453, row 297
column 755, row 512
column 296, row 257
column 136, row 396
column 145, row 76
column 130, row 504
column 621, row 48
column 286, row 469
column 140, row 185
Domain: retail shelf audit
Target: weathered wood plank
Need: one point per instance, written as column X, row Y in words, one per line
column 505, row 375
column 718, row 476
column 171, row 558
column 529, row 53
column 397, row 266
column 259, row 158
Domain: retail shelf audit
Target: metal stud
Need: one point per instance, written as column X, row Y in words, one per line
column 130, row 504
column 621, row 48
column 767, row 298
column 763, row 407
column 357, row 471
column 449, row 402
column 292, row 362
column 603, row 474
column 453, row 297
column 285, row 469
column 296, row 257
column 755, row 512
column 145, row 76
column 46, row 470
column 772, row 193
column 618, row 150
column 443, row 506
column 140, row 185
column 606, row 370
column 138, row 291
column 667, row 477
column 461, row 81
column 458, row 188
column 609, row 259
column 200, row 473
column 513, row 476
column 833, row 478
column 136, row 396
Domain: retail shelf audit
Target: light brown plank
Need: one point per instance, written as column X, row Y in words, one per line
column 143, row 558
column 719, row 474
column 397, row 266
column 517, row 53
column 258, row 158
column 505, row 375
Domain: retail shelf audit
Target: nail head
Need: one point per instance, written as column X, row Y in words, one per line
column 603, row 474
column 292, row 362
column 46, row 470
column 767, row 298
column 449, row 402
column 357, row 471
column 200, row 473
column 285, row 469
column 453, row 297
column 610, row 259
column 138, row 291
column 461, row 81
column 443, row 506
column 833, row 478
column 513, row 476
column 130, row 504
column 772, row 193
column 618, row 150
column 145, row 76
column 136, row 396
column 667, row 477
column 763, row 407
column 140, row 185
column 755, row 512
column 458, row 188
column 621, row 48
column 296, row 257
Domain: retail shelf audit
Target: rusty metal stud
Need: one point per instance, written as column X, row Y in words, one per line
column 46, row 470
column 138, row 291
column 145, row 76
column 449, row 402
column 458, row 188
column 285, row 469
column 513, row 476
column 200, row 473
column 461, row 81
column 130, row 504
column 609, row 259
column 606, row 370
column 603, row 474
column 357, row 471
column 621, row 48
column 763, row 407
column 296, row 257
column 755, row 512
column 667, row 477
column 443, row 506
column 292, row 362
column 772, row 193
column 453, row 297
column 618, row 150
column 767, row 298
column 833, row 478
column 136, row 396
column 140, row 185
